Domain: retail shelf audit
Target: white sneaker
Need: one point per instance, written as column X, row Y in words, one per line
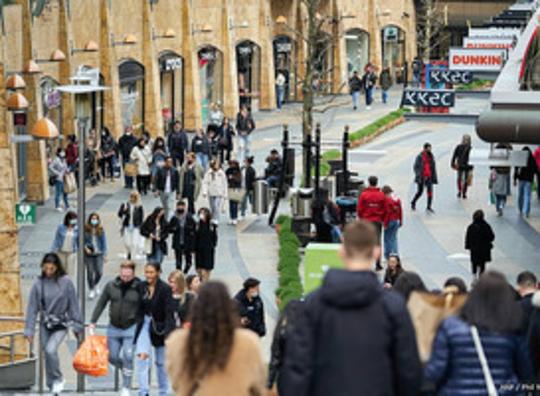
column 234, row 222
column 58, row 387
column 368, row 108
column 59, row 209
column 125, row 392
column 98, row 291
column 91, row 294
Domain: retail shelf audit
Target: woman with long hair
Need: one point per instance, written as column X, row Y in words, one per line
column 157, row 308
column 206, row 239
column 66, row 241
column 95, row 251
column 131, row 214
column 141, row 155
column 488, row 324
column 53, row 297
column 182, row 297
column 393, row 271
column 214, row 188
column 215, row 357
column 225, row 140
column 156, row 231
column 193, row 284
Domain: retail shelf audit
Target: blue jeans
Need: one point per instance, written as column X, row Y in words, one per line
column 244, row 141
column 280, row 93
column 390, row 239
column 369, row 96
column 50, row 341
column 128, row 180
column 59, row 194
column 233, row 210
column 144, row 345
column 247, row 197
column 384, row 96
column 273, row 181
column 524, row 197
column 355, row 98
column 156, row 256
column 336, row 234
column 120, row 344
column 203, row 160
column 500, row 202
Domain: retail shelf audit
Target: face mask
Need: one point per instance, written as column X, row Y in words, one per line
column 181, row 211
column 202, row 217
column 128, row 133
column 253, row 295
column 94, row 222
column 62, row 155
column 73, row 222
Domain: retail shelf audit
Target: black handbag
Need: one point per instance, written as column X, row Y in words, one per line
column 50, row 321
column 52, row 180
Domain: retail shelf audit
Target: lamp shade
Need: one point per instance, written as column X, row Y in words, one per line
column 57, row 56
column 31, row 67
column 15, row 82
column 169, row 33
column 281, row 19
column 207, row 27
column 44, row 129
column 16, row 101
column 130, row 39
column 91, row 46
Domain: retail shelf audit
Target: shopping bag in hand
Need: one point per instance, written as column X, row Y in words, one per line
column 92, row 358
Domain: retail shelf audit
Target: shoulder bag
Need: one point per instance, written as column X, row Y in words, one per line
column 490, row 385
column 50, row 321
column 236, row 194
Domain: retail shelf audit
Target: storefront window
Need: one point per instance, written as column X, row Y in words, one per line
column 248, row 60
column 132, row 94
column 172, row 87
column 394, row 51
column 357, row 44
column 284, row 55
column 211, row 79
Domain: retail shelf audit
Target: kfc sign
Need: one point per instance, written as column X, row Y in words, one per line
column 488, row 42
column 486, row 60
column 450, row 77
column 428, row 98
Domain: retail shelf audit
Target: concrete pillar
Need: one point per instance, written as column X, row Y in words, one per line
column 108, row 66
column 339, row 56
column 37, row 189
column 230, row 71
column 65, row 36
column 192, row 98
column 374, row 27
column 268, row 91
column 153, row 120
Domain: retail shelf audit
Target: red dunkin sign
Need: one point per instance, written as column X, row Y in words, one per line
column 488, row 60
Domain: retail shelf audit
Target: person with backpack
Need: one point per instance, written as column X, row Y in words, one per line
column 177, row 143
column 460, row 163
column 352, row 336
column 355, row 87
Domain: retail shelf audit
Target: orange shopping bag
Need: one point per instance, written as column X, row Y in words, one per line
column 92, row 358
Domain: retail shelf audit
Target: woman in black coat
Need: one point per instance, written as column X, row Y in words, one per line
column 205, row 244
column 479, row 240
column 234, row 182
column 225, row 140
column 156, row 231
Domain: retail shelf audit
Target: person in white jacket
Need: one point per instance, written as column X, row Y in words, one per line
column 214, row 187
column 141, row 155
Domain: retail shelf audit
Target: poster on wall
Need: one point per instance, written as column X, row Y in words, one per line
column 503, row 42
column 485, row 60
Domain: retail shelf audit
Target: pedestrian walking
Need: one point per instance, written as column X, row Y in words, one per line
column 417, row 68
column 215, row 117
column 460, row 163
column 425, row 176
column 126, row 143
column 479, row 241
column 72, row 153
column 385, row 80
column 177, row 143
column 193, row 284
column 53, row 298
column 525, row 177
column 536, row 156
column 272, row 173
column 156, row 231
column 393, row 270
column 214, row 188
column 326, row 356
column 200, row 145
column 249, row 176
column 141, row 155
column 355, row 88
column 245, row 125
column 59, row 169
column 95, row 253
column 191, row 175
column 499, row 185
column 224, row 361
column 206, row 239
column 131, row 214
column 167, row 186
column 281, row 82
column 251, row 307
column 182, row 227
column 369, row 80
column 159, row 155
column 373, row 207
column 93, row 145
column 108, row 151
column 182, row 298
column 225, row 139
column 235, row 192
column 66, row 242
column 526, row 286
column 157, row 309
column 479, row 352
column 123, row 295
column 392, row 222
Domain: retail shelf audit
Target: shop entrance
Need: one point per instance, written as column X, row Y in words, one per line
column 171, row 67
column 393, row 46
column 211, row 79
column 132, row 94
column 357, row 46
column 284, row 63
column 248, row 60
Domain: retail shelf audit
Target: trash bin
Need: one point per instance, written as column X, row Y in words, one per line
column 301, row 202
column 260, row 197
column 347, row 209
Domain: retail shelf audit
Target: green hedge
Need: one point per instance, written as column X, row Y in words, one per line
column 362, row 133
column 475, row 85
column 290, row 283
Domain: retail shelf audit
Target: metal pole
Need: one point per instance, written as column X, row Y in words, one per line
column 81, row 202
column 317, row 160
column 309, row 160
column 285, row 146
column 345, row 160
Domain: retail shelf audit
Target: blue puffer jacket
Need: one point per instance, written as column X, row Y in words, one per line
column 455, row 368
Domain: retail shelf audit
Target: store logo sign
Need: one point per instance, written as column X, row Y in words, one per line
column 488, row 60
column 283, row 47
column 488, row 42
column 428, row 98
column 450, row 77
column 172, row 64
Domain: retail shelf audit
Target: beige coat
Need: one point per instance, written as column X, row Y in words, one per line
column 244, row 374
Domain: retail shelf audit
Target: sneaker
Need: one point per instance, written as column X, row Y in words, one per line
column 429, row 210
column 58, row 387
column 98, row 291
column 59, row 209
column 91, row 294
column 125, row 392
column 234, row 222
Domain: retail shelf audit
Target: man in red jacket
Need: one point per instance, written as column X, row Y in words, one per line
column 373, row 207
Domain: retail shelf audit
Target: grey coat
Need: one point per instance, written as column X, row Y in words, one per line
column 500, row 183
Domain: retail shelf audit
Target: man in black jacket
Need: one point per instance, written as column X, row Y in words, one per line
column 355, row 87
column 250, row 307
column 177, row 143
column 182, row 226
column 352, row 337
column 167, row 185
column 272, row 173
column 123, row 294
column 125, row 145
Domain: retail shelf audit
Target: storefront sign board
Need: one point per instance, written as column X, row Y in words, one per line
column 486, row 60
column 318, row 259
column 503, row 42
column 429, row 97
column 438, row 76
